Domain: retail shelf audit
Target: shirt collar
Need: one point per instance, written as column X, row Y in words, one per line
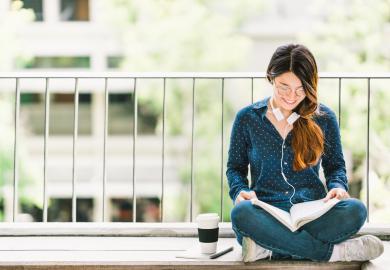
column 261, row 106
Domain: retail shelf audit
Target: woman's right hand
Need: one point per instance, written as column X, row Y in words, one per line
column 245, row 195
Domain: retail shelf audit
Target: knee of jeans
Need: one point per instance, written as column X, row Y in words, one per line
column 357, row 211
column 240, row 213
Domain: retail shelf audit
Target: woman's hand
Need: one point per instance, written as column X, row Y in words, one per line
column 338, row 193
column 245, row 195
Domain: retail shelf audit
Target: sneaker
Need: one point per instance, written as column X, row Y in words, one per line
column 363, row 248
column 252, row 252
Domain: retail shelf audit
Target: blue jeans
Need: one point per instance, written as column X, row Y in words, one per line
column 313, row 241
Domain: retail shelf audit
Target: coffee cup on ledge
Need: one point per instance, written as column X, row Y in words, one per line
column 208, row 230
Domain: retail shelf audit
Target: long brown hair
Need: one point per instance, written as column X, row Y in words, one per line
column 307, row 136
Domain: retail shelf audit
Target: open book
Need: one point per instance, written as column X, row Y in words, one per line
column 300, row 213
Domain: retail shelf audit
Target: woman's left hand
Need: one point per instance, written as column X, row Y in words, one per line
column 338, row 193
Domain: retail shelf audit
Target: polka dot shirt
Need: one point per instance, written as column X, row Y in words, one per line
column 255, row 143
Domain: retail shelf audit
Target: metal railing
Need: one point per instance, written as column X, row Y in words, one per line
column 144, row 76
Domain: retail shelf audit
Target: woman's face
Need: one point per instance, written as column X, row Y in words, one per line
column 288, row 91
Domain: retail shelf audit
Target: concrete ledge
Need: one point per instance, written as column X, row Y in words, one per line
column 291, row 265
column 183, row 229
column 75, row 252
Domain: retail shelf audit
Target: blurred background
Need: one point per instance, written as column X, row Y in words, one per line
column 175, row 36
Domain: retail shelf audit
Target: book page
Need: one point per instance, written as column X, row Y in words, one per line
column 283, row 216
column 302, row 213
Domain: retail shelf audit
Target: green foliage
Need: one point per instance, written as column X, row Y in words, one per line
column 352, row 37
column 181, row 35
column 188, row 35
column 10, row 47
column 9, row 44
column 28, row 176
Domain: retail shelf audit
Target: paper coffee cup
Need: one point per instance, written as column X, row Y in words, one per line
column 208, row 230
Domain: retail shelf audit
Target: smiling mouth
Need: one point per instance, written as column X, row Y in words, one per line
column 289, row 102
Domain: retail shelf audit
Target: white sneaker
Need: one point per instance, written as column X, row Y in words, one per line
column 363, row 248
column 252, row 252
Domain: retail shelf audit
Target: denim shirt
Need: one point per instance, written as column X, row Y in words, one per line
column 256, row 142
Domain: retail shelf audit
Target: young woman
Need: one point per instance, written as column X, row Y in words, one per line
column 284, row 138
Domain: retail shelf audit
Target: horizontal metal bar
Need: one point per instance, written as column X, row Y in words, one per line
column 159, row 75
column 127, row 75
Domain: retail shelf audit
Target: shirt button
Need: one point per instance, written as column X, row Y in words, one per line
column 284, row 146
column 286, row 192
column 285, row 163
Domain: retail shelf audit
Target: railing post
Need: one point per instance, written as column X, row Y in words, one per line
column 105, row 148
column 222, row 142
column 75, row 133
column 47, row 117
column 252, row 97
column 368, row 149
column 134, row 148
column 163, row 155
column 339, row 105
column 16, row 154
column 192, row 149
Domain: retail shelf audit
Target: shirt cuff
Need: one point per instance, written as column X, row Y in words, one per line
column 243, row 189
column 336, row 185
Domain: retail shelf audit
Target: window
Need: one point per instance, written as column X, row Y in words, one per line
column 114, row 61
column 59, row 62
column 61, row 113
column 35, row 5
column 30, row 98
column 74, row 10
column 121, row 114
column 60, row 210
column 148, row 210
column 84, row 98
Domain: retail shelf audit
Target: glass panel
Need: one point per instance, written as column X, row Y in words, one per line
column 120, row 114
column 148, row 210
column 36, row 6
column 74, row 10
column 59, row 62
column 60, row 210
column 114, row 61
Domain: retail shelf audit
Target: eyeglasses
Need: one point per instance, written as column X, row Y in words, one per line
column 285, row 90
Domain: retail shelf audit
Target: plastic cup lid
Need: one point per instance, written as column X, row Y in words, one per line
column 207, row 216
